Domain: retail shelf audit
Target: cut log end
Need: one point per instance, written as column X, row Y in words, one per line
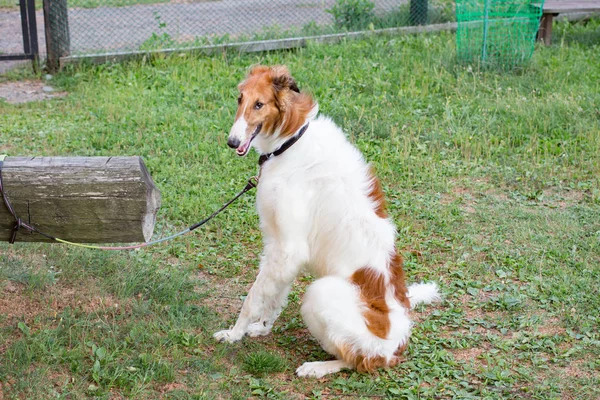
column 153, row 203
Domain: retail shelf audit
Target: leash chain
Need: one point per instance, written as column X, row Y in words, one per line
column 19, row 223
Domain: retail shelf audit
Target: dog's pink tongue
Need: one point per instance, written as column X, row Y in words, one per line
column 243, row 149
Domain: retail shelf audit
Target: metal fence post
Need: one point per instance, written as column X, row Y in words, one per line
column 33, row 39
column 58, row 41
column 418, row 12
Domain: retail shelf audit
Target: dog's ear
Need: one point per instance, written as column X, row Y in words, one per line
column 282, row 79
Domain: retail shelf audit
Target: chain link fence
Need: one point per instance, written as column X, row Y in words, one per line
column 489, row 32
column 109, row 26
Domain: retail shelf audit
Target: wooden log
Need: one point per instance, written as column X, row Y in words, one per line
column 80, row 199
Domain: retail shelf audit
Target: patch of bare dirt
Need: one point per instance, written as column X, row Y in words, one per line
column 16, row 92
column 562, row 199
column 466, row 354
column 497, row 194
column 190, row 1
column 463, row 194
column 575, row 370
column 15, row 303
column 473, row 315
column 169, row 387
column 59, row 378
column 550, row 197
column 225, row 295
column 455, row 192
column 551, row 327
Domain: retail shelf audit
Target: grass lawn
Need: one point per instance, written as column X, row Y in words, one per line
column 492, row 180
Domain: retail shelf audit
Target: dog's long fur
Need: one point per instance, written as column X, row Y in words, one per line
column 321, row 208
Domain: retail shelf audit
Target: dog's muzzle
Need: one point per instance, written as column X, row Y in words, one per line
column 233, row 142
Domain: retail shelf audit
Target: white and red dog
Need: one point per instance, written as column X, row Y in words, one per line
column 321, row 208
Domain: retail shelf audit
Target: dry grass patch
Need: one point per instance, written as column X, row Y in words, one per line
column 550, row 327
column 465, row 355
column 561, row 198
column 226, row 294
column 576, row 369
column 19, row 303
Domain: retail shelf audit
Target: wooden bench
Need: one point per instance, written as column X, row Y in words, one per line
column 554, row 7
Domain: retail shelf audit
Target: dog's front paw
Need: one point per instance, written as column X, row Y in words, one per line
column 258, row 329
column 227, row 335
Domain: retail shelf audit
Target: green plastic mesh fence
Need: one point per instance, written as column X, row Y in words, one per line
column 497, row 33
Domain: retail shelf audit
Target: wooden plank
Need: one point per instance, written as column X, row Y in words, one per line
column 80, row 199
column 570, row 6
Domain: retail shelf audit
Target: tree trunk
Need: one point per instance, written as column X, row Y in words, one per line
column 56, row 25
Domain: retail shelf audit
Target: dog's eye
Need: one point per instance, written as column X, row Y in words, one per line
column 240, row 99
column 258, row 105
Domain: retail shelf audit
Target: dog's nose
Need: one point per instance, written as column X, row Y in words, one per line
column 233, row 142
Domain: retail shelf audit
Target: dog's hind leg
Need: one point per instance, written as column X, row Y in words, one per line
column 333, row 312
column 318, row 369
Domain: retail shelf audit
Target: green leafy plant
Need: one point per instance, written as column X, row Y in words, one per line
column 160, row 40
column 352, row 14
column 263, row 362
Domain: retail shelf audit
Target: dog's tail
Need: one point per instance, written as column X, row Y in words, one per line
column 425, row 293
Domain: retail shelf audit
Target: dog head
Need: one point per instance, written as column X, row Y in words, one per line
column 270, row 108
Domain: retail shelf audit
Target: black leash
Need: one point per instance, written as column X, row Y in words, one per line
column 252, row 183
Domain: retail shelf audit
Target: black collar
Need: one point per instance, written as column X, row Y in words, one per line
column 264, row 157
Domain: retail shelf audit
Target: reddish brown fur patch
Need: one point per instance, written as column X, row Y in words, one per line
column 398, row 281
column 376, row 195
column 372, row 291
column 370, row 364
column 296, row 112
column 400, row 349
column 284, row 108
column 365, row 364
